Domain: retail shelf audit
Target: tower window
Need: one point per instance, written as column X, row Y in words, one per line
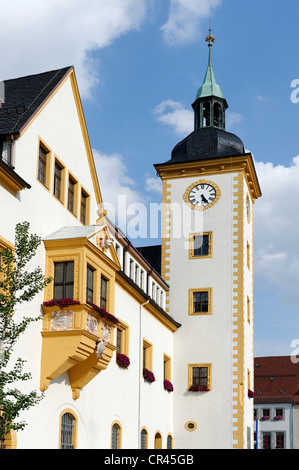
column 200, row 301
column 116, row 436
column 217, row 115
column 200, row 245
column 207, row 114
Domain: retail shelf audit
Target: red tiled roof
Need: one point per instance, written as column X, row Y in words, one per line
column 276, row 379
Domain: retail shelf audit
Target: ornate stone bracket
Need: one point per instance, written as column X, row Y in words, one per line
column 71, row 339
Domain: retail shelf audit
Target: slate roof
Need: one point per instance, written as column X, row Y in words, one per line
column 276, row 379
column 206, row 144
column 152, row 254
column 66, row 233
column 23, row 97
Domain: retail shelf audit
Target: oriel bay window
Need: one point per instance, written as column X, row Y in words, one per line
column 63, row 279
column 89, row 284
column 104, row 293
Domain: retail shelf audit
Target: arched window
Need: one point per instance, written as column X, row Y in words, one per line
column 144, row 439
column 169, row 441
column 207, row 114
column 158, row 441
column 217, row 115
column 68, row 430
column 116, row 436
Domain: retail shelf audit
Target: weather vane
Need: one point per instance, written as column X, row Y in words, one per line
column 210, row 38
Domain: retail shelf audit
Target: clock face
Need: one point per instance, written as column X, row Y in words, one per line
column 202, row 195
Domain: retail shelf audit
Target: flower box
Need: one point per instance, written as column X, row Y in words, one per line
column 198, row 388
column 278, row 417
column 148, row 376
column 103, row 313
column 122, row 360
column 168, row 386
column 250, row 394
column 61, row 303
column 265, row 418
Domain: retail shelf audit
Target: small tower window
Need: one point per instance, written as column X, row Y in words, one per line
column 207, row 114
column 217, row 115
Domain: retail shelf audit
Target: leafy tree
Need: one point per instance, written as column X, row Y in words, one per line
column 17, row 285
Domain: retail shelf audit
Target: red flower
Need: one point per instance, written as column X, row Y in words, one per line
column 148, row 375
column 168, row 386
column 122, row 360
column 61, row 303
column 198, row 388
column 103, row 313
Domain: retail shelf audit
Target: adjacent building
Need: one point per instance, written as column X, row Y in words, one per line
column 276, row 402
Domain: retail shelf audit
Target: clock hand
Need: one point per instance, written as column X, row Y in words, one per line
column 204, row 199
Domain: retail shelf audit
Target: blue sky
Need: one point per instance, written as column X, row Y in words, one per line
column 139, row 64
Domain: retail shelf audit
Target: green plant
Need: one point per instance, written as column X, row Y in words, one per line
column 17, row 285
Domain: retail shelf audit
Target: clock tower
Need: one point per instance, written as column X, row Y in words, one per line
column 209, row 189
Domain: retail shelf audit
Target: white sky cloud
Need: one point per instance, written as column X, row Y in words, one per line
column 40, row 35
column 173, row 114
column 277, row 228
column 183, row 23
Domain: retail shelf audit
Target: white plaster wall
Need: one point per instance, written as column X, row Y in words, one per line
column 204, row 338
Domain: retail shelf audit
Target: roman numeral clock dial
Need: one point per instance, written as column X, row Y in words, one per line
column 202, row 195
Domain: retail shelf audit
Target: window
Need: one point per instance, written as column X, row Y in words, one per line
column 59, row 181
column 116, row 436
column 266, row 440
column 89, row 284
column 169, row 441
column 166, row 367
column 84, row 208
column 122, row 338
column 266, row 413
column 44, row 162
column 72, row 196
column 104, row 293
column 68, row 431
column 147, row 355
column 279, row 440
column 200, row 245
column 137, row 274
column 142, row 279
column 144, row 439
column 200, row 301
column 131, row 269
column 279, row 413
column 199, row 375
column 63, row 280
column 158, row 441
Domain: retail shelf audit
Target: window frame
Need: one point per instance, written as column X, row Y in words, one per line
column 91, row 289
column 166, row 367
column 64, row 284
column 147, row 355
column 123, row 330
column 58, row 163
column 86, row 216
column 46, row 181
column 106, row 298
column 207, row 366
column 75, row 426
column 191, row 311
column 192, row 243
column 119, row 437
